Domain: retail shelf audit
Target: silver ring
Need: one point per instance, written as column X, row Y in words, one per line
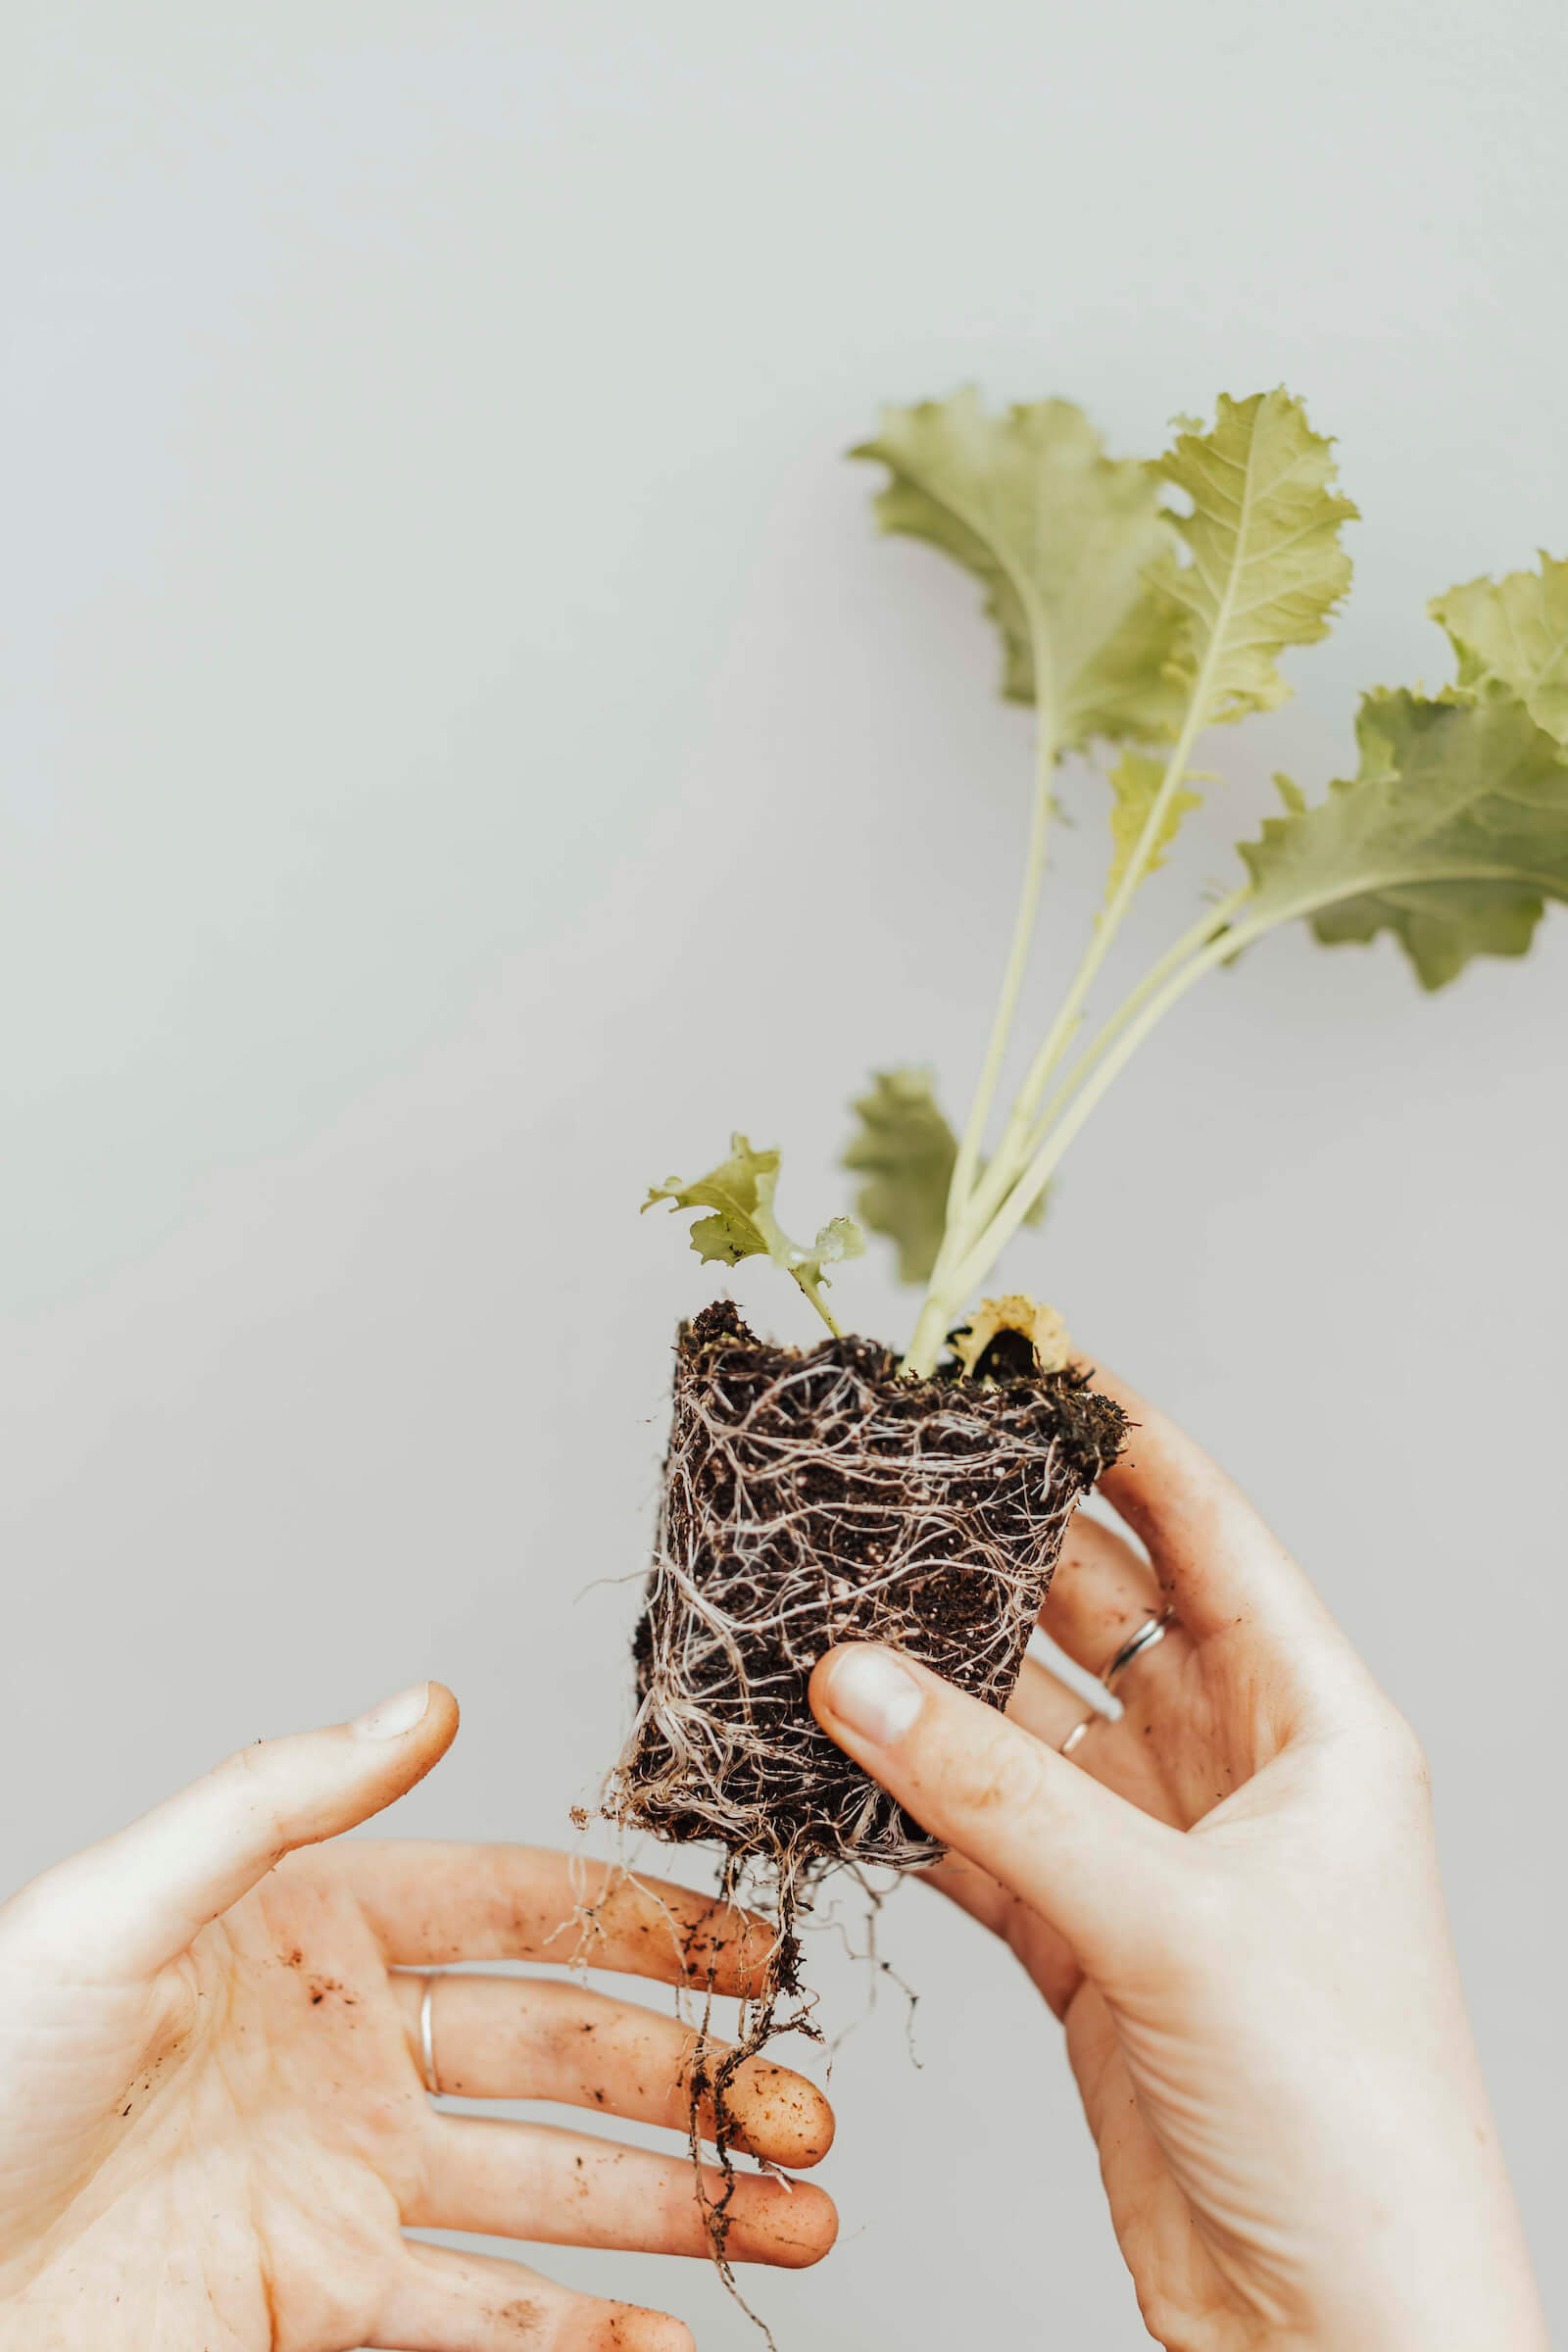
column 1153, row 1630
column 1076, row 1733
column 433, row 2081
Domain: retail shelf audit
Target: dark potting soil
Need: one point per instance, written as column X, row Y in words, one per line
column 817, row 1497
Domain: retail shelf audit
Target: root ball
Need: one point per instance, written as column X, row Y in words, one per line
column 811, row 1498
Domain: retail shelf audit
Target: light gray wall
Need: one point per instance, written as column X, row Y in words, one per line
column 469, row 751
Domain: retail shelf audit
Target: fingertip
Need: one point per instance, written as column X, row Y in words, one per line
column 320, row 1783
column 819, row 1690
column 779, row 2115
column 812, row 2125
column 411, row 1730
column 866, row 1697
column 824, row 1674
column 441, row 1722
column 790, row 2225
column 813, row 2225
column 660, row 2331
column 628, row 2328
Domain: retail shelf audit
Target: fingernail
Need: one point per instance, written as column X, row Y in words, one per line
column 872, row 1693
column 394, row 1716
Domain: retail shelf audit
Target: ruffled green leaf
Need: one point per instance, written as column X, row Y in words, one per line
column 1452, row 835
column 1264, row 568
column 1514, row 633
column 1059, row 537
column 1135, row 787
column 739, row 1194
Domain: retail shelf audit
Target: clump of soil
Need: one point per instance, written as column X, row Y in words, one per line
column 812, row 1499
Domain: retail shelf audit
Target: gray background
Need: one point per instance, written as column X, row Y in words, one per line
column 467, row 751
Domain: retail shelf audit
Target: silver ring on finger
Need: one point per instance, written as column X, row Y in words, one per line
column 1144, row 1637
column 432, row 2081
column 1074, row 1737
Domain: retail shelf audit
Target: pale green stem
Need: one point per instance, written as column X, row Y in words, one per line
column 1172, row 959
column 976, row 1251
column 1110, row 1059
column 983, row 1255
column 808, row 1285
column 968, row 1158
column 1003, row 1170
column 1065, row 1027
column 1161, row 988
column 930, row 1330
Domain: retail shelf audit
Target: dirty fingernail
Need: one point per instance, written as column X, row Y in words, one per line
column 394, row 1716
column 871, row 1692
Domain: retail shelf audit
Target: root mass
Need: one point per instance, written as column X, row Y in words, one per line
column 812, row 1499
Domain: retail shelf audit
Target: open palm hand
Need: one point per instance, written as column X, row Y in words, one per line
column 215, row 2127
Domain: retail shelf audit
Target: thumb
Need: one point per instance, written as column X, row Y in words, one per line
column 1102, row 1873
column 124, row 1908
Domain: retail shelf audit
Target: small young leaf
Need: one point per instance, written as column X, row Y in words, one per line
column 736, row 1190
column 1514, row 633
column 740, row 1194
column 1452, row 835
column 1266, row 567
column 1135, row 786
column 1059, row 537
column 840, row 1237
column 907, row 1150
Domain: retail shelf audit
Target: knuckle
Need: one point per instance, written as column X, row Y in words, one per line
column 248, row 1782
column 242, row 1767
column 627, row 2324
column 1400, row 1748
column 999, row 1771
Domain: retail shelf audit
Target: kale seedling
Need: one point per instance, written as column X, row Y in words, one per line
column 1140, row 608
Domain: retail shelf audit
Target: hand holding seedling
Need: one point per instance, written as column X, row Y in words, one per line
column 213, row 2121
column 1263, row 2014
column 847, row 1492
column 1230, row 1897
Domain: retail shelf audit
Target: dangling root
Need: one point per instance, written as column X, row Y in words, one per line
column 715, row 2065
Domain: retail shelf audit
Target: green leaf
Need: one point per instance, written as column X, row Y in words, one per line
column 907, row 1150
column 1452, row 834
column 1514, row 633
column 739, row 1192
column 1135, row 787
column 1059, row 537
column 1264, row 566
